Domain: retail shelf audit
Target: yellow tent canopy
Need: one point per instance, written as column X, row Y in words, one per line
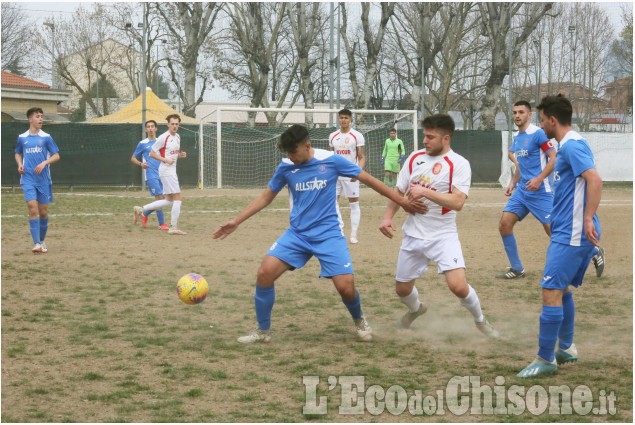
column 156, row 110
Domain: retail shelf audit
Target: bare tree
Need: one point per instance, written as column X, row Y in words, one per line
column 622, row 48
column 497, row 22
column 17, row 38
column 373, row 40
column 305, row 31
column 189, row 25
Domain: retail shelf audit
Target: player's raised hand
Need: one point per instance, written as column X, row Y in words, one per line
column 225, row 230
column 182, row 154
column 387, row 227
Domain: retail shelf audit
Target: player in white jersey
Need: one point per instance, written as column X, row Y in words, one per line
column 441, row 178
column 167, row 149
column 349, row 143
column 34, row 152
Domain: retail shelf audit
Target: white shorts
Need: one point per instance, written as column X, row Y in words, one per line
column 347, row 188
column 170, row 184
column 415, row 254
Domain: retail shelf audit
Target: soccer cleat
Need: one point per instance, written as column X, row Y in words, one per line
column 175, row 231
column 257, row 335
column 511, row 274
column 44, row 248
column 570, row 355
column 410, row 317
column 136, row 212
column 144, row 221
column 354, row 240
column 164, row 227
column 538, row 367
column 37, row 249
column 487, row 329
column 599, row 261
column 364, row 331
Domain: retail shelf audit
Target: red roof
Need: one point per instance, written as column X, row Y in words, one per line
column 13, row 80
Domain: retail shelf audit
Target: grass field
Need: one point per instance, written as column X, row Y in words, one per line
column 93, row 331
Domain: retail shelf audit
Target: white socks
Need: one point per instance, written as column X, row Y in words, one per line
column 176, row 211
column 472, row 303
column 157, row 205
column 411, row 301
column 356, row 214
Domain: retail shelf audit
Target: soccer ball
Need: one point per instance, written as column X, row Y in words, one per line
column 192, row 288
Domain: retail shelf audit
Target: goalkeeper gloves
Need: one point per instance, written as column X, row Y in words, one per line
column 402, row 158
column 381, row 161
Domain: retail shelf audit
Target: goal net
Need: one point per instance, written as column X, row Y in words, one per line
column 238, row 148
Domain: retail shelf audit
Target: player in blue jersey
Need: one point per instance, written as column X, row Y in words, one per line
column 311, row 176
column 34, row 152
column 575, row 235
column 153, row 181
column 533, row 153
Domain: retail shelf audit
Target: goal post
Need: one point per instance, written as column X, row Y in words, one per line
column 238, row 148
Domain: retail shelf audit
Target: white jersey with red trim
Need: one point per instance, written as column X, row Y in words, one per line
column 345, row 144
column 168, row 146
column 443, row 174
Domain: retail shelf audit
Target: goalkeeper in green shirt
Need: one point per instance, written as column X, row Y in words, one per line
column 392, row 157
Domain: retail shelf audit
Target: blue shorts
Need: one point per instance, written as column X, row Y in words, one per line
column 566, row 265
column 155, row 187
column 539, row 204
column 332, row 253
column 43, row 194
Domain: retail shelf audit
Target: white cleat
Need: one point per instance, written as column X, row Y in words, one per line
column 410, row 317
column 44, row 248
column 257, row 335
column 175, row 231
column 136, row 213
column 37, row 249
column 487, row 329
column 363, row 329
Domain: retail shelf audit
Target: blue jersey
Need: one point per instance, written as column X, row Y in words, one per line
column 530, row 148
column 34, row 150
column 569, row 202
column 143, row 150
column 312, row 191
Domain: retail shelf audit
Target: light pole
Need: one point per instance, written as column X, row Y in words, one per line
column 53, row 79
column 538, row 79
column 423, row 91
column 163, row 41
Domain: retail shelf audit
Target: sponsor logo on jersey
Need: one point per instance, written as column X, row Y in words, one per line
column 314, row 184
column 522, row 153
column 37, row 149
column 437, row 168
column 343, row 151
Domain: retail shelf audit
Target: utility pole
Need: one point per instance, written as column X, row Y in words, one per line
column 538, row 80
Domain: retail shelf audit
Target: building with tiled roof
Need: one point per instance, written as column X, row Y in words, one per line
column 19, row 93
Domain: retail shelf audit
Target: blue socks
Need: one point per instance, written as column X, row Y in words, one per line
column 354, row 307
column 565, row 336
column 160, row 217
column 34, row 227
column 264, row 298
column 44, row 226
column 550, row 321
column 509, row 242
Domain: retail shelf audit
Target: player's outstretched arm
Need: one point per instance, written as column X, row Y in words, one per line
column 453, row 200
column 411, row 206
column 261, row 202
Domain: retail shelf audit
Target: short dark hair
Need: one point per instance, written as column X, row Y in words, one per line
column 292, row 137
column 35, row 110
column 152, row 121
column 392, row 129
column 345, row 112
column 169, row 117
column 557, row 106
column 523, row 103
column 439, row 121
